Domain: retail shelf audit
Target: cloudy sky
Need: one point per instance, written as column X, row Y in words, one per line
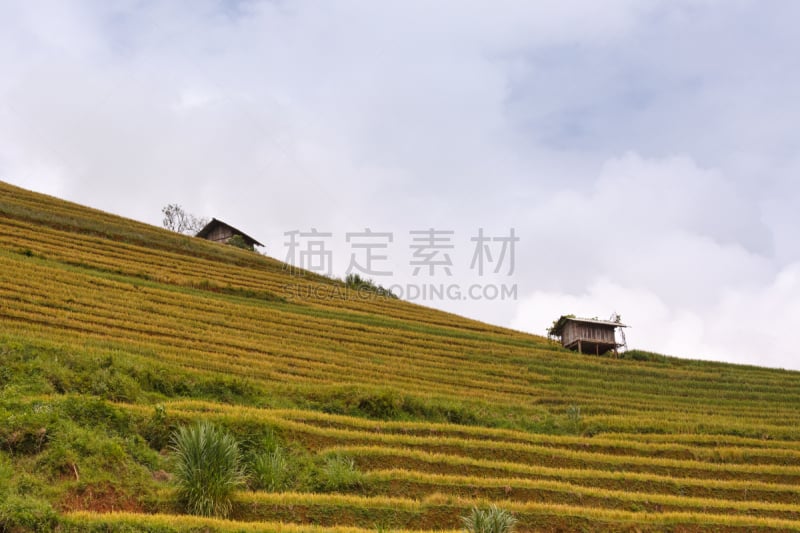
column 645, row 153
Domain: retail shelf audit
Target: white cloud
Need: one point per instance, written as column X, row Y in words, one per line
column 666, row 224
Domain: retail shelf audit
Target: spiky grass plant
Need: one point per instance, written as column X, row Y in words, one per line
column 491, row 520
column 339, row 472
column 271, row 470
column 208, row 468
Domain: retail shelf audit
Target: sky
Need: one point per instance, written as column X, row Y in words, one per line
column 630, row 156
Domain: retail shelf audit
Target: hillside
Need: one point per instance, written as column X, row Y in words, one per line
column 114, row 333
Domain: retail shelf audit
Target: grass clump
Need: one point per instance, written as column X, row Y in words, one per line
column 208, row 468
column 271, row 470
column 270, row 466
column 491, row 520
column 339, row 472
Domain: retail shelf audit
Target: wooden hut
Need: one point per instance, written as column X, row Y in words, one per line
column 587, row 335
column 219, row 231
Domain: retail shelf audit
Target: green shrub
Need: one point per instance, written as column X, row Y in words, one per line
column 641, row 355
column 388, row 404
column 26, row 429
column 491, row 520
column 96, row 413
column 157, row 428
column 239, row 242
column 6, row 376
column 112, row 385
column 5, row 476
column 356, row 282
column 339, row 473
column 207, row 468
column 271, row 470
column 383, row 405
column 19, row 513
column 30, row 485
column 20, row 506
column 86, row 453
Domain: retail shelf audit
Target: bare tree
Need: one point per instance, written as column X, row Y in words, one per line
column 178, row 220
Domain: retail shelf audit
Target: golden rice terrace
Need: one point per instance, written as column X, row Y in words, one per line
column 388, row 416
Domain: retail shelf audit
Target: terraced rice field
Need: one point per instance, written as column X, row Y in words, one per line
column 113, row 333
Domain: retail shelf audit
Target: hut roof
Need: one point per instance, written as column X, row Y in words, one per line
column 558, row 327
column 208, row 228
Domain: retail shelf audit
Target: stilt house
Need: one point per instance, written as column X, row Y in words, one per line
column 587, row 335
